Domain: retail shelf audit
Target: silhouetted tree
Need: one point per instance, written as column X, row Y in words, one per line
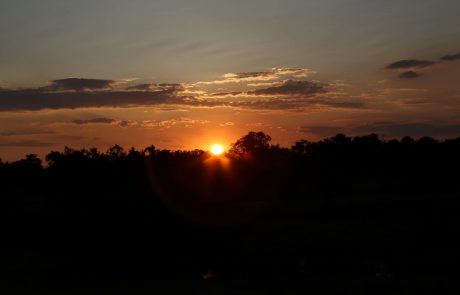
column 302, row 146
column 115, row 152
column 150, row 150
column 250, row 144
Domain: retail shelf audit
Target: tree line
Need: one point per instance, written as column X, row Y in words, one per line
column 338, row 163
column 336, row 206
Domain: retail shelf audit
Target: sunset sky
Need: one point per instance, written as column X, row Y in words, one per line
column 188, row 74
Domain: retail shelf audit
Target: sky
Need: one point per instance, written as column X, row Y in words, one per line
column 188, row 74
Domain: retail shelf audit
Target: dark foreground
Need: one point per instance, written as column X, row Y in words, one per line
column 293, row 246
column 313, row 285
column 343, row 216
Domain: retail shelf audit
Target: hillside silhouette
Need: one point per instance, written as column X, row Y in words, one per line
column 342, row 207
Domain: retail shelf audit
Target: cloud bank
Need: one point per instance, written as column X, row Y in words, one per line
column 389, row 129
column 275, row 93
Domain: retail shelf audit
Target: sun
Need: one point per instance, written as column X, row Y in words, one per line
column 217, row 150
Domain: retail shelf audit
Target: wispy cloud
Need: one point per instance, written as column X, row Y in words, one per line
column 410, row 64
column 451, row 57
column 157, row 87
column 94, row 121
column 27, row 132
column 409, row 75
column 273, row 74
column 27, row 143
column 166, row 124
column 110, row 121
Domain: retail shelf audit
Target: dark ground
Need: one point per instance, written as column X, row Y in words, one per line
column 292, row 247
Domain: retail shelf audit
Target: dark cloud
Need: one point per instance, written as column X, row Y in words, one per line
column 94, row 121
column 124, row 123
column 36, row 99
column 410, row 64
column 78, row 84
column 141, row 87
column 27, row 132
column 451, row 57
column 389, row 129
column 293, row 88
column 410, row 75
column 253, row 74
column 232, row 93
column 27, row 143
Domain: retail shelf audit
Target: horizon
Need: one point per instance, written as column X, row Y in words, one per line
column 222, row 148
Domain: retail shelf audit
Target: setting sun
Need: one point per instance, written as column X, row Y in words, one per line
column 217, row 149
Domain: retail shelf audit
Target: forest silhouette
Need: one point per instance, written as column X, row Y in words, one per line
column 341, row 206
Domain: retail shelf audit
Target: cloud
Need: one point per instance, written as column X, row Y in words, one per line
column 282, row 94
column 78, row 84
column 27, row 132
column 232, row 93
column 410, row 75
column 388, row 129
column 289, row 94
column 242, row 77
column 293, row 88
column 410, row 64
column 294, row 72
column 121, row 123
column 252, row 76
column 166, row 124
column 451, row 57
column 125, row 123
column 74, row 93
column 142, row 87
column 271, row 75
column 27, row 143
column 298, row 104
column 36, row 99
column 264, row 84
column 157, row 87
column 94, row 121
column 410, row 68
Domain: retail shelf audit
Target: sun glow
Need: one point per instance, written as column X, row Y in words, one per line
column 217, row 150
